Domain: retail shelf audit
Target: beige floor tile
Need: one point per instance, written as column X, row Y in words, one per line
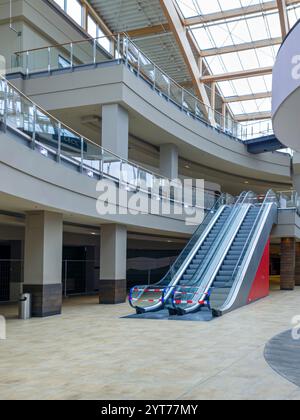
column 89, row 352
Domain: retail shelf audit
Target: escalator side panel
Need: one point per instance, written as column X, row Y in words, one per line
column 261, row 285
column 241, row 289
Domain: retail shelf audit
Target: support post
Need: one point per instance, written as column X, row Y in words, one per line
column 43, row 262
column 288, row 263
column 113, row 264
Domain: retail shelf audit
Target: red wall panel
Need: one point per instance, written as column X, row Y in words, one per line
column 261, row 284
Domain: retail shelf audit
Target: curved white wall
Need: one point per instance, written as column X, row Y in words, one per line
column 286, row 91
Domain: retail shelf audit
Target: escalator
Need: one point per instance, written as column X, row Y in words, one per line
column 227, row 282
column 218, row 267
column 224, row 279
column 193, row 258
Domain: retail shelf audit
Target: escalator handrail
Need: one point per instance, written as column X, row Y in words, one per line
column 213, row 210
column 221, row 259
column 250, row 236
column 203, row 225
column 233, row 289
column 242, row 200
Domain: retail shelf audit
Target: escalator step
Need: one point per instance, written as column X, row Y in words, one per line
column 228, row 266
column 191, row 271
column 220, row 284
column 223, row 279
column 225, row 273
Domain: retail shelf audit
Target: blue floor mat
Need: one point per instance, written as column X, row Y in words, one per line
column 203, row 316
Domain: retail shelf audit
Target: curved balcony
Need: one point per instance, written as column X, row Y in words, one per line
column 21, row 118
column 73, row 55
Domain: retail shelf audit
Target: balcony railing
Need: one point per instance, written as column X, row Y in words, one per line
column 90, row 52
column 57, row 141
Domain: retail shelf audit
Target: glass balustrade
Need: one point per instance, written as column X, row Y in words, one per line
column 54, row 139
column 95, row 51
column 289, row 200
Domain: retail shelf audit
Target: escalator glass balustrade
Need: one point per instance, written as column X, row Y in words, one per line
column 216, row 270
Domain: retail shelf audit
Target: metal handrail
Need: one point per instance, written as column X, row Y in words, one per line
column 238, row 264
column 80, row 41
column 172, row 271
column 102, row 149
column 241, row 200
column 124, row 54
column 252, row 237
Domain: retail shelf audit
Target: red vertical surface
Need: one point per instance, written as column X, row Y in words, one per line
column 261, row 284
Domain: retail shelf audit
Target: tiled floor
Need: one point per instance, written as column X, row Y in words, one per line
column 90, row 353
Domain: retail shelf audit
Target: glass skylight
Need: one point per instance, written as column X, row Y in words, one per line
column 217, row 37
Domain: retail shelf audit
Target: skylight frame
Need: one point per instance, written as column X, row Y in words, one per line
column 269, row 30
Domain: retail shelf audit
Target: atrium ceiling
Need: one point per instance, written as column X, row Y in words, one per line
column 232, row 43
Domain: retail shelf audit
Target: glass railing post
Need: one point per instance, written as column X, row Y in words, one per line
column 49, row 60
column 154, row 77
column 102, row 164
column 5, row 111
column 81, row 153
column 71, row 55
column 139, row 64
column 182, row 99
column 34, row 127
column 127, row 51
column 118, row 49
column 27, row 63
column 59, row 143
column 94, row 51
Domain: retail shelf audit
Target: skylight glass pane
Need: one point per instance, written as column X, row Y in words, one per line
column 224, row 34
column 187, row 8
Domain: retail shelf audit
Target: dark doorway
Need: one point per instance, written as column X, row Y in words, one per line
column 74, row 270
column 4, row 273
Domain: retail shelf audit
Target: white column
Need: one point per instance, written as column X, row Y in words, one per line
column 169, row 161
column 115, row 129
column 43, row 262
column 113, row 262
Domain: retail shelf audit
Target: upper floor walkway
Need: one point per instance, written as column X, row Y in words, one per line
column 82, row 76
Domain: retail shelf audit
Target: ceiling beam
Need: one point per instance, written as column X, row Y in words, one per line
column 180, row 33
column 237, row 75
column 235, row 13
column 148, row 31
column 241, row 47
column 283, row 15
column 241, row 98
column 255, row 116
